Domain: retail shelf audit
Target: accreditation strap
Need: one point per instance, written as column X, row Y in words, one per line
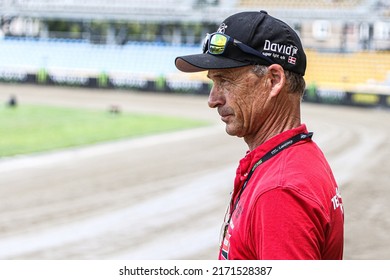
column 276, row 150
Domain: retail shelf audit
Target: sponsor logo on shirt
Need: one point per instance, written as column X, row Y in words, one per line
column 337, row 201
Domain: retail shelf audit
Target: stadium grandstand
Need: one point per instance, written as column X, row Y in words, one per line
column 133, row 44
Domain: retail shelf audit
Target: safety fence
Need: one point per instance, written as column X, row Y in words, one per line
column 165, row 84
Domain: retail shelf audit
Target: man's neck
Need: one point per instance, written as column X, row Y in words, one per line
column 269, row 130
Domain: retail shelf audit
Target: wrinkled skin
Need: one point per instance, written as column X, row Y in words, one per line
column 255, row 108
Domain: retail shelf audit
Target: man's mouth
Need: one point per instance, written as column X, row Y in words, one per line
column 225, row 117
column 225, row 114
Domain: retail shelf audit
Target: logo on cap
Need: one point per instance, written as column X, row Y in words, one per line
column 280, row 48
column 292, row 60
column 280, row 51
column 222, row 28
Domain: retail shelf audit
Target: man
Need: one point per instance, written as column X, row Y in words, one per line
column 285, row 202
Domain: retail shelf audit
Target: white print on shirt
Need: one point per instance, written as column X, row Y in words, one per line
column 337, row 201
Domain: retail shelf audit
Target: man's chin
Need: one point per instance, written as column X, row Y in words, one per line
column 231, row 131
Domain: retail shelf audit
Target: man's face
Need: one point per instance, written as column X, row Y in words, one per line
column 239, row 96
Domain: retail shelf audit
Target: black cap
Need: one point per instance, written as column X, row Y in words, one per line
column 270, row 36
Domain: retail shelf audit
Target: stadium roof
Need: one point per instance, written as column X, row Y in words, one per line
column 190, row 10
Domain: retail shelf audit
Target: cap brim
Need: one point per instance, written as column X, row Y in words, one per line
column 203, row 62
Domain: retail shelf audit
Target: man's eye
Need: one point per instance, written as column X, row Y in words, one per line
column 224, row 81
column 221, row 81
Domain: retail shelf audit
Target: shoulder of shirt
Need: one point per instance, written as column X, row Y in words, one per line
column 291, row 191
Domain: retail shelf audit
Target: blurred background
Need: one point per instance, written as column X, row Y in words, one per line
column 103, row 44
column 164, row 196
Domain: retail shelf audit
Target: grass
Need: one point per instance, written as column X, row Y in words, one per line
column 32, row 128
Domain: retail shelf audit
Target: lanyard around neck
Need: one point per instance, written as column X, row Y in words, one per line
column 276, row 150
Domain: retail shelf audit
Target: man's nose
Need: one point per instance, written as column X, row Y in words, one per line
column 216, row 97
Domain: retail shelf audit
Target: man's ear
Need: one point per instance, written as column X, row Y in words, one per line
column 277, row 78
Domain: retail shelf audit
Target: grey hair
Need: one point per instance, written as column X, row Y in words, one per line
column 295, row 82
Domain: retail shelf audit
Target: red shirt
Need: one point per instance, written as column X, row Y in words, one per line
column 291, row 207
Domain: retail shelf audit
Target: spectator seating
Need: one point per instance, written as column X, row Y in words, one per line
column 340, row 70
column 322, row 4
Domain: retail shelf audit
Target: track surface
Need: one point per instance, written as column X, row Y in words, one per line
column 164, row 196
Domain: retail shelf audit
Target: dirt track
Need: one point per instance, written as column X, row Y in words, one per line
column 163, row 197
